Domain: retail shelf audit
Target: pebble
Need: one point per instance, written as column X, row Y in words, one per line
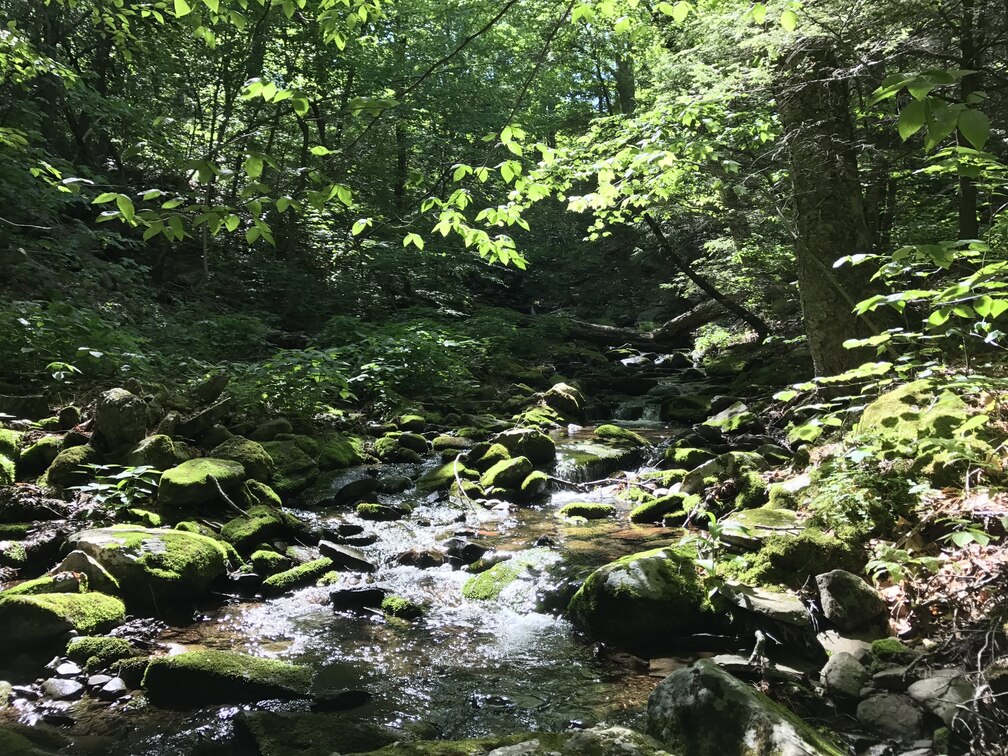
column 97, row 681
column 68, row 669
column 113, row 689
column 61, row 689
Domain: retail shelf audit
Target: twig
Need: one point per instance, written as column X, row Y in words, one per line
column 227, row 498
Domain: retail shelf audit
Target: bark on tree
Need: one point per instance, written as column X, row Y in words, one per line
column 814, row 105
column 674, row 333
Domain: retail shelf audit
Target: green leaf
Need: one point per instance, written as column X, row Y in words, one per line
column 666, row 8
column 213, row 5
column 975, row 126
column 911, row 119
column 125, row 205
column 104, row 197
column 759, row 13
column 789, row 20
column 252, row 235
column 231, row 222
column 320, row 150
column 939, row 317
column 977, row 421
column 253, row 166
column 680, row 11
column 413, row 239
column 182, row 8
column 300, row 104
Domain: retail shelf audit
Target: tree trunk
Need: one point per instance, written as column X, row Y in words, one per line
column 674, row 333
column 815, row 111
column 969, row 225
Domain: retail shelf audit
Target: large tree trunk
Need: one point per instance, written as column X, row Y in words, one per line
column 674, row 333
column 815, row 110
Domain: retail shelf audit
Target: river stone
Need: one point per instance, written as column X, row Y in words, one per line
column 734, row 419
column 847, row 600
column 508, row 474
column 730, row 465
column 113, row 689
column 35, row 620
column 196, row 482
column 250, row 455
column 536, row 446
column 943, row 694
column 641, row 599
column 61, row 689
column 197, row 678
column 160, row 452
column 845, row 675
column 98, row 578
column 313, row 734
column 155, row 565
column 358, row 597
column 704, row 711
column 66, row 470
column 566, row 400
column 780, row 606
column 120, row 417
column 346, row 557
column 892, row 715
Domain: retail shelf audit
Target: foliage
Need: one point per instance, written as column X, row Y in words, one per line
column 121, row 487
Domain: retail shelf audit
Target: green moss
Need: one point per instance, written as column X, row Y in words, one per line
column 333, row 577
column 666, row 478
column 34, row 459
column 379, row 512
column 13, row 554
column 508, row 474
column 451, row 443
column 621, row 435
column 533, row 485
column 262, row 494
column 780, row 497
column 892, row 651
column 411, row 422
column 654, row 511
column 294, row 469
column 588, row 510
column 790, row 560
column 495, row 454
column 195, row 482
column 143, row 517
column 266, row 562
column 10, row 443
column 37, row 618
column 688, row 457
column 403, row 608
column 15, row 530
column 98, row 652
column 68, row 467
column 160, row 452
column 540, row 416
column 191, row 526
column 752, row 490
column 442, row 477
column 63, row 583
column 388, row 449
column 307, row 444
column 296, row 577
column 337, row 451
column 635, row 495
column 261, row 524
column 252, row 456
column 196, row 678
column 488, row 585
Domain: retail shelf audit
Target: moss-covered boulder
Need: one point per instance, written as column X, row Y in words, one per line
column 39, row 619
column 388, row 449
column 588, row 510
column 442, row 477
column 295, row 733
column 532, row 486
column 296, row 577
column 251, row 455
column 370, row 510
column 737, row 418
column 10, row 449
column 507, row 474
column 266, row 562
column 58, row 582
column 617, row 435
column 702, row 710
column 337, row 451
column 411, row 423
column 642, row 599
column 160, row 452
column 198, row 678
column 261, row 525
column 199, row 482
column 539, row 416
column 792, row 559
column 728, row 466
column 37, row 456
column 98, row 652
column 155, row 565
column 120, row 418
column 414, row 442
column 451, row 443
column 536, row 446
column 294, row 468
column 566, row 400
column 401, row 608
column 656, row 510
column 687, row 457
column 68, row 467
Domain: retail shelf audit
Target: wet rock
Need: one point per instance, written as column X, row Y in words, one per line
column 844, row 675
column 112, row 690
column 22, row 504
column 357, row 598
column 346, row 557
column 741, row 666
column 891, row 715
column 353, row 492
column 508, row 474
column 199, row 482
column 944, row 695
column 461, row 551
column 296, row 577
column 36, row 620
column 847, row 600
column 98, row 681
column 61, row 689
column 704, row 711
column 536, row 446
column 393, row 484
column 339, row 700
column 120, row 418
column 316, row 734
column 379, row 512
column 197, row 678
column 167, row 564
column 98, row 578
column 423, row 559
column 364, row 539
column 68, row 669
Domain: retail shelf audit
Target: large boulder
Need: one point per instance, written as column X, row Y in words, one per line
column 294, row 464
column 508, row 474
column 120, row 417
column 199, row 481
column 160, row 452
column 28, row 620
column 68, row 468
column 36, row 457
column 642, row 599
column 251, row 455
column 566, row 400
column 10, row 448
column 539, row 448
column 155, row 565
column 847, row 600
column 702, row 710
column 197, row 678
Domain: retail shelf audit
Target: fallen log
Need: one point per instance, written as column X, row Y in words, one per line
column 671, row 334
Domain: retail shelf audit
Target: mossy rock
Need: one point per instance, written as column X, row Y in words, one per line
column 507, row 474
column 198, row 678
column 37, row 457
column 665, row 478
column 489, row 584
column 68, row 467
column 36, row 620
column 337, row 451
column 262, row 524
column 10, row 450
column 413, row 442
column 379, row 512
column 655, row 511
column 160, row 452
column 532, row 486
column 308, row 734
column 266, row 562
column 892, row 651
column 442, row 477
column 734, row 419
column 98, row 652
column 688, row 457
column 258, row 492
column 252, row 456
column 388, row 449
column 536, row 446
column 731, row 465
column 588, row 510
column 642, row 600
column 296, row 577
column 294, row 468
column 401, row 608
column 270, row 429
column 492, row 455
column 749, row 528
column 451, row 443
column 619, row 435
column 791, row 559
column 541, row 417
column 411, row 423
column 566, row 400
column 156, row 565
column 751, row 490
column 195, row 482
column 61, row 582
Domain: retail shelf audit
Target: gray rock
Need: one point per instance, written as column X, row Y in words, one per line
column 845, row 675
column 98, row 577
column 120, row 417
column 61, row 689
column 897, row 679
column 113, row 689
column 704, row 711
column 98, row 681
column 892, row 715
column 346, row 557
column 68, row 669
column 847, row 600
column 780, row 606
column 857, row 646
column 943, row 694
